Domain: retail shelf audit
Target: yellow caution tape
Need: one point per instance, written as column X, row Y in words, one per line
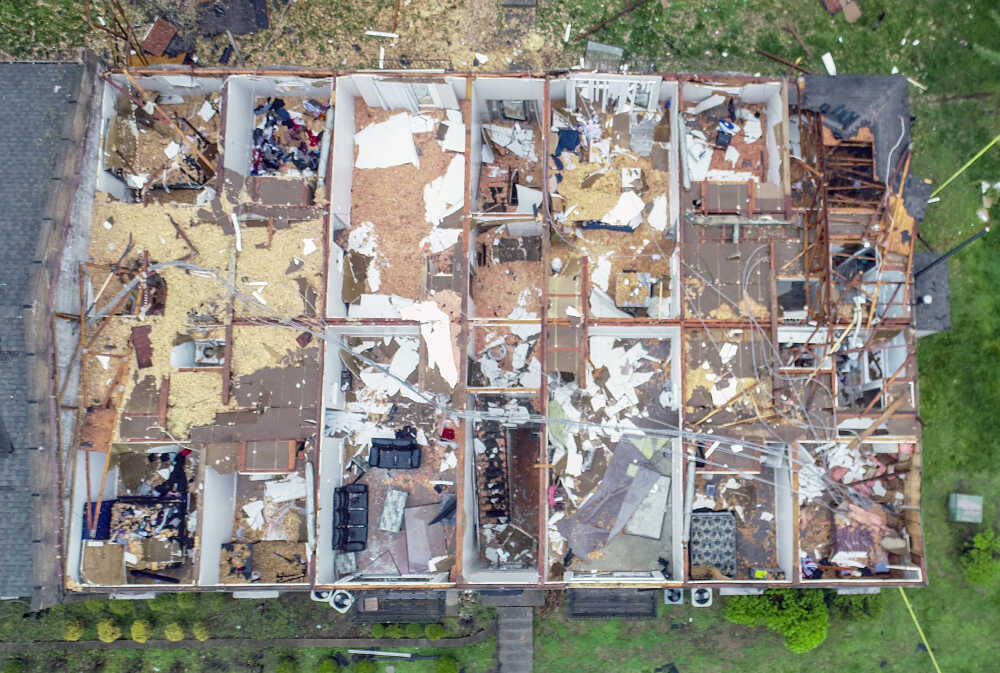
column 920, row 630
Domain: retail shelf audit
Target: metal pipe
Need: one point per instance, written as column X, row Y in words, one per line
column 970, row 239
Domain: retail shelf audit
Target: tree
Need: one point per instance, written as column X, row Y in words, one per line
column 981, row 561
column 200, row 631
column 394, row 631
column 186, row 600
column 378, row 630
column 801, row 616
column 327, row 665
column 173, row 632
column 435, row 631
column 94, row 606
column 141, row 630
column 414, row 631
column 446, row 664
column 108, row 631
column 72, row 630
column 285, row 665
column 163, row 604
column 13, row 666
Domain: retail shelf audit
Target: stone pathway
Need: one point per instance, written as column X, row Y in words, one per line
column 515, row 639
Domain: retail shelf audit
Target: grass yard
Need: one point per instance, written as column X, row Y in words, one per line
column 928, row 40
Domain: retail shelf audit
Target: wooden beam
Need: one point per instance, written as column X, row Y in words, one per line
column 870, row 430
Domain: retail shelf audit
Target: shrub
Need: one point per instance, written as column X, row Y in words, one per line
column 446, row 664
column 327, row 665
column 394, row 631
column 13, row 666
column 285, row 665
column 856, row 607
column 163, row 604
column 108, row 631
column 800, row 616
column 378, row 630
column 214, row 601
column 414, row 631
column 72, row 630
column 173, row 632
column 121, row 608
column 187, row 600
column 365, row 666
column 95, row 607
column 981, row 561
column 141, row 630
column 435, row 631
column 200, row 631
column 158, row 660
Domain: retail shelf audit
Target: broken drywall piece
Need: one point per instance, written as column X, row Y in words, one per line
column 732, row 155
column 626, row 211
column 519, row 140
column 728, row 352
column 699, row 155
column 707, row 104
column 602, row 306
column 378, row 306
column 172, row 149
column 386, row 144
column 752, row 131
column 290, row 488
column 422, row 123
column 528, row 199
column 658, row 215
column 445, row 195
column 308, row 246
column 601, row 275
column 436, row 332
column 454, row 136
column 206, row 111
column 440, row 239
column 254, row 511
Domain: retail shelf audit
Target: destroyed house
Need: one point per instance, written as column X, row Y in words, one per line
column 423, row 330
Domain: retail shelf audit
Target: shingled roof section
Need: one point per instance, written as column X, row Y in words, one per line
column 39, row 99
column 848, row 102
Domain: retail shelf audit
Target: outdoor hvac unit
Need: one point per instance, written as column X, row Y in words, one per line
column 208, row 353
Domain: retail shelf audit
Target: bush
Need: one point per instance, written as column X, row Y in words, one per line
column 95, row 607
column 800, row 616
column 158, row 660
column 394, row 631
column 141, row 630
column 285, row 665
column 200, row 631
column 365, row 666
column 981, row 561
column 108, row 631
column 187, row 600
column 856, row 607
column 72, row 630
column 378, row 630
column 446, row 664
column 214, row 601
column 173, row 632
column 14, row 666
column 327, row 665
column 163, row 604
column 121, row 608
column 435, row 631
column 414, row 631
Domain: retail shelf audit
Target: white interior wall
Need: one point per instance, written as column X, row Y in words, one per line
column 78, row 503
column 331, row 475
column 242, row 92
column 668, row 92
column 784, row 516
column 218, row 507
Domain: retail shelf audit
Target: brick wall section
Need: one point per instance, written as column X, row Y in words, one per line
column 39, row 101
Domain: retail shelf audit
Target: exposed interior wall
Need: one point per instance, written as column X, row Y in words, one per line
column 784, row 516
column 218, row 507
column 331, row 458
column 668, row 93
column 78, row 503
column 242, row 91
